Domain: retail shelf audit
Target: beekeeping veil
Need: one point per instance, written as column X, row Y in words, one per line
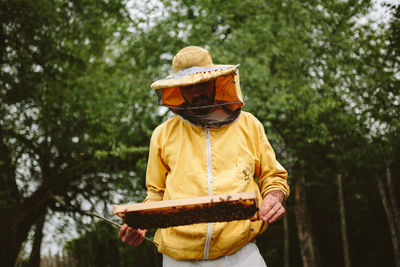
column 203, row 93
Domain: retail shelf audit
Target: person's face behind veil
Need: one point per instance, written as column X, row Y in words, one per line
column 199, row 97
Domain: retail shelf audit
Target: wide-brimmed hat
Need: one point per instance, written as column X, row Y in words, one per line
column 193, row 65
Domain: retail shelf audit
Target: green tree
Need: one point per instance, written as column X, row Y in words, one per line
column 299, row 75
column 75, row 117
column 325, row 88
column 97, row 247
column 376, row 91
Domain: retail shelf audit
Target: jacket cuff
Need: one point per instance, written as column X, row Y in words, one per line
column 283, row 188
column 154, row 196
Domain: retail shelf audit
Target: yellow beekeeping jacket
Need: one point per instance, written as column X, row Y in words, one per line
column 188, row 161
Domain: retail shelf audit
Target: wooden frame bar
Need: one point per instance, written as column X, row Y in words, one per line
column 168, row 213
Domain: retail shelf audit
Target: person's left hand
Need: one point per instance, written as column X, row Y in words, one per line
column 271, row 208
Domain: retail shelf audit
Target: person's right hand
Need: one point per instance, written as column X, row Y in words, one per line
column 131, row 236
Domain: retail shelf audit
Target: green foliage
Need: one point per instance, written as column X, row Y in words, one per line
column 325, row 87
column 101, row 246
column 76, row 110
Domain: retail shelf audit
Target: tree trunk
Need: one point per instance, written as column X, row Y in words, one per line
column 11, row 241
column 393, row 201
column 12, row 235
column 34, row 260
column 20, row 217
column 390, row 218
column 18, row 220
column 286, row 254
column 343, row 226
column 304, row 230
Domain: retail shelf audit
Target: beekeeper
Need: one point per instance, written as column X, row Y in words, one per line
column 209, row 147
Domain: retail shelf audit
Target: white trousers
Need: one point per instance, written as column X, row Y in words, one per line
column 247, row 256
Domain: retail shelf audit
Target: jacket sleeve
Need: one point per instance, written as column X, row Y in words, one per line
column 271, row 175
column 157, row 169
